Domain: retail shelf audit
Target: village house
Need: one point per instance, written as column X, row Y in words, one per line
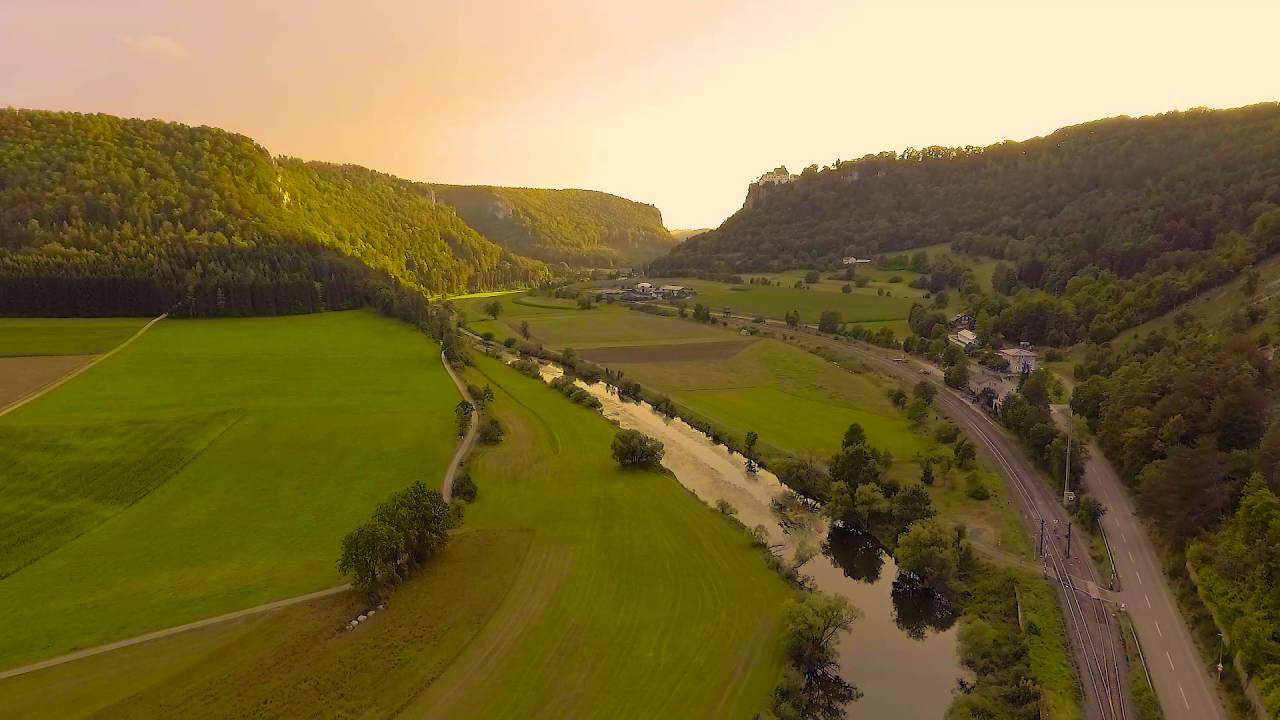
column 964, row 339
column 675, row 292
column 1020, row 359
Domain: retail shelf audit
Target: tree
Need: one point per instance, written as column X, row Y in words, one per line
column 813, row 688
column 857, row 465
column 749, row 445
column 491, row 431
column 811, row 277
column 870, row 505
column 370, row 556
column 928, row 552
column 911, row 505
column 854, row 435
column 957, row 376
column 1089, row 511
column 462, row 413
column 925, row 390
column 964, row 453
column 917, row 412
column 926, row 473
column 1269, row 456
column 634, row 449
column 792, row 318
column 805, row 477
column 493, row 309
column 464, row 488
column 584, row 302
column 701, row 313
column 829, row 321
column 1187, row 491
column 846, row 288
column 524, row 329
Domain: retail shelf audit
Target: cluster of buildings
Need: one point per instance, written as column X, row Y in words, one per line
column 1021, row 358
column 646, row 292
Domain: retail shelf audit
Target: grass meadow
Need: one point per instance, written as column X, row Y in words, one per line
column 293, row 662
column 212, row 465
column 64, row 336
column 635, row 600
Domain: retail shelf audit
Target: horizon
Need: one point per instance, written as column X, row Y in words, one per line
column 680, row 108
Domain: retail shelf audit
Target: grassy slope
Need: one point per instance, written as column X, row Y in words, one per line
column 293, row 662
column 636, row 600
column 64, row 336
column 300, row 425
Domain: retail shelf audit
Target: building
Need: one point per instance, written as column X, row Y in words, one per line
column 777, row 176
column 644, row 287
column 675, row 292
column 964, row 339
column 855, row 261
column 1020, row 359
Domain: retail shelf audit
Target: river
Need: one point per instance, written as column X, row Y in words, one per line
column 902, row 652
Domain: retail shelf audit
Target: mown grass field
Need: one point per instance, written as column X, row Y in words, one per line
column 559, row 324
column 210, row 466
column 64, row 336
column 294, row 662
column 635, row 600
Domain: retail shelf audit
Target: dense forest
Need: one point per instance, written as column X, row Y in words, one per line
column 578, row 227
column 1101, row 225
column 108, row 216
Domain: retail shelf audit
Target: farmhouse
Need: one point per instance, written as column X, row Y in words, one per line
column 855, row 261
column 644, row 287
column 675, row 292
column 1020, row 359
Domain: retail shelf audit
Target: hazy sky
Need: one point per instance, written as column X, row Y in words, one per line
column 676, row 103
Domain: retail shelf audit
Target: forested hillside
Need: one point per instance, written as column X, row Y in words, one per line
column 108, row 216
column 577, row 227
column 1125, row 218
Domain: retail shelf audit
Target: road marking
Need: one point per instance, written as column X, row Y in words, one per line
column 1158, row 628
column 1184, row 697
column 1148, row 599
column 1131, row 557
column 1170, row 657
column 1123, row 539
column 1135, row 572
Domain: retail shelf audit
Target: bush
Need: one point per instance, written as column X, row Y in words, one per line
column 946, row 433
column 464, row 488
column 490, row 431
column 634, row 449
column 976, row 489
column 509, row 342
column 528, row 366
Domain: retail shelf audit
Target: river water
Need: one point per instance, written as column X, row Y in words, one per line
column 902, row 651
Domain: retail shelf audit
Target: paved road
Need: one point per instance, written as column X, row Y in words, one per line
column 446, row 489
column 1094, row 636
column 1178, row 673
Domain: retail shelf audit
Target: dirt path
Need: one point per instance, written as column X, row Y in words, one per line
column 445, row 489
column 468, row 440
column 74, row 373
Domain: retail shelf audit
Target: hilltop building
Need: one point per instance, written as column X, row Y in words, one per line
column 777, row 176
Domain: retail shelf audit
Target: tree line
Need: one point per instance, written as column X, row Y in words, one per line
column 110, row 216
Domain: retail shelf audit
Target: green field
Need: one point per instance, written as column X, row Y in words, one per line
column 602, row 326
column 293, row 662
column 210, row 466
column 635, row 601
column 64, row 336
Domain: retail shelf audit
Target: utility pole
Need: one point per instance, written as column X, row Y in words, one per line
column 1068, row 539
column 1221, row 641
column 1066, row 475
column 1041, row 537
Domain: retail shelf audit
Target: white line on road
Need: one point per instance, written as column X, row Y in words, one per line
column 1184, row 697
column 1123, row 539
column 1131, row 556
column 1158, row 628
column 1170, row 657
column 1135, row 572
column 1148, row 599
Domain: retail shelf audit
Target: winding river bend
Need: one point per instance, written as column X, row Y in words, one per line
column 902, row 652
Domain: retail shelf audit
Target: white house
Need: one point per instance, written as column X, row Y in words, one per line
column 964, row 339
column 855, row 261
column 1020, row 359
column 675, row 292
column 644, row 287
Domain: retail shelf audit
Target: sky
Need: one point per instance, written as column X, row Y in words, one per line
column 676, row 103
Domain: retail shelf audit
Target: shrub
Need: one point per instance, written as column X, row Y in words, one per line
column 946, row 433
column 490, row 431
column 509, row 342
column 464, row 488
column 976, row 489
column 634, row 449
column 726, row 508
